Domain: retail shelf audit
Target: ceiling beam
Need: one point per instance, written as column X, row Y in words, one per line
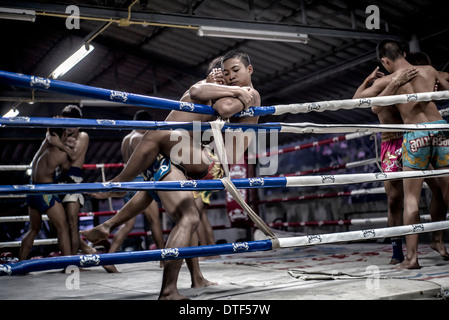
column 177, row 20
column 321, row 75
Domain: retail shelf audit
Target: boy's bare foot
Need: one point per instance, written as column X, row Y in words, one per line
column 408, row 264
column 173, row 296
column 203, row 283
column 440, row 248
column 96, row 234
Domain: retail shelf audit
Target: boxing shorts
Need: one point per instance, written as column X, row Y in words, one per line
column 73, row 175
column 215, row 172
column 391, row 151
column 42, row 202
column 420, row 148
column 156, row 172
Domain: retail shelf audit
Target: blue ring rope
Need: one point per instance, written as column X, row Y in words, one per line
column 191, row 185
column 107, row 124
column 182, row 185
column 92, row 260
column 302, row 127
column 38, row 83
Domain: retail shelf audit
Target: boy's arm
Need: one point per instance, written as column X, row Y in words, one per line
column 443, row 84
column 229, row 106
column 387, row 85
column 366, row 91
column 55, row 141
column 211, row 91
column 74, row 152
column 376, row 74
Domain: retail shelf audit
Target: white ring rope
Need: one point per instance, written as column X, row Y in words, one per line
column 37, row 242
column 23, row 167
column 363, row 234
column 342, row 179
column 308, row 127
column 333, row 105
column 360, row 221
column 354, row 222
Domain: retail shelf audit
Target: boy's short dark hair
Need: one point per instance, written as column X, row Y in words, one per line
column 389, row 49
column 418, row 59
column 216, row 63
column 71, row 111
column 239, row 54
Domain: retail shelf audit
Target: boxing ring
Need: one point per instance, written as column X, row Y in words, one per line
column 299, row 179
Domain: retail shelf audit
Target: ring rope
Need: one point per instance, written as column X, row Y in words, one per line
column 302, row 127
column 25, row 167
column 340, row 222
column 39, row 83
column 70, row 88
column 363, row 234
column 91, row 260
column 37, row 242
column 191, row 185
column 320, row 223
column 334, row 105
column 51, row 241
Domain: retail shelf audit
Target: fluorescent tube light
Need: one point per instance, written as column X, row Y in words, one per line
column 207, row 31
column 11, row 113
column 79, row 55
column 17, row 14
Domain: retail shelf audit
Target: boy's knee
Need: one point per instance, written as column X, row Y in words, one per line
column 191, row 216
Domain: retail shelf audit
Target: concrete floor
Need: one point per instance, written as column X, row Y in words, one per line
column 355, row 271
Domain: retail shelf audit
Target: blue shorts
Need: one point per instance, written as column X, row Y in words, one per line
column 421, row 148
column 157, row 171
column 131, row 194
column 42, row 202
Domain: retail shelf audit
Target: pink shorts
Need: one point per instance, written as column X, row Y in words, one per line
column 391, row 154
